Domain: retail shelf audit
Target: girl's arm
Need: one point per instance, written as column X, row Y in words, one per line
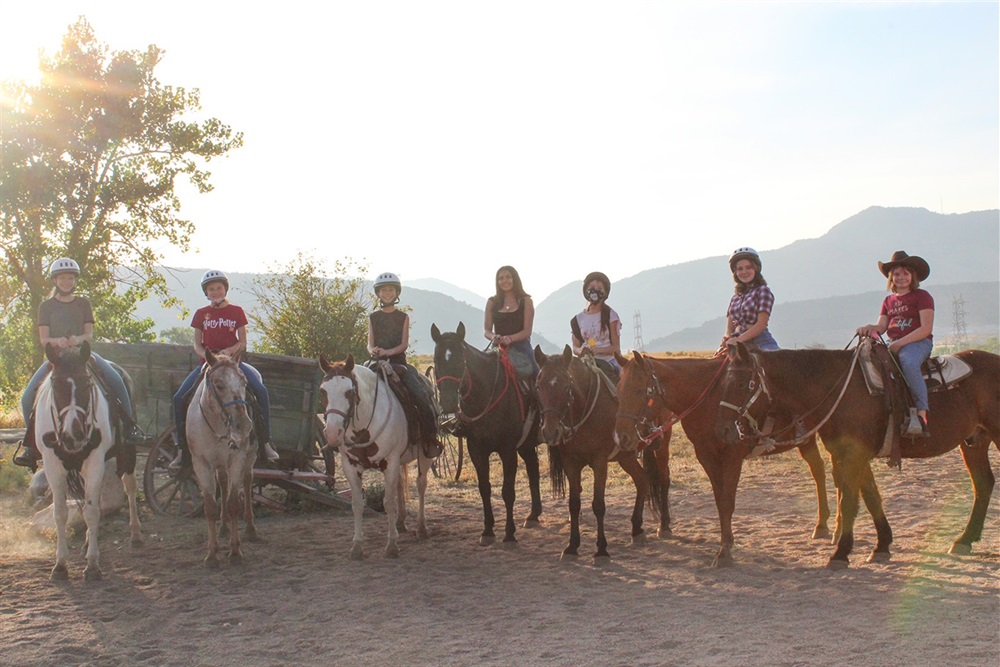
column 488, row 322
column 921, row 332
column 239, row 345
column 578, row 346
column 879, row 327
column 199, row 344
column 754, row 331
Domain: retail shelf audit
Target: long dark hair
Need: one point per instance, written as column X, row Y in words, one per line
column 518, row 288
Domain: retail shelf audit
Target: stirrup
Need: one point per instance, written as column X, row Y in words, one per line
column 914, row 427
column 269, row 453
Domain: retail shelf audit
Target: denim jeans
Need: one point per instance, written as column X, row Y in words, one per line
column 254, row 382
column 911, row 357
column 765, row 342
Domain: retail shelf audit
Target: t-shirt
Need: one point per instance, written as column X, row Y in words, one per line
column 744, row 308
column 219, row 325
column 593, row 335
column 387, row 332
column 65, row 319
column 508, row 323
column 903, row 311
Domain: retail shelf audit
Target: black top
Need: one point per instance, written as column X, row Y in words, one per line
column 387, row 332
column 65, row 319
column 509, row 323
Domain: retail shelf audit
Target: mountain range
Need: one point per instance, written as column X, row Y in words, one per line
column 824, row 288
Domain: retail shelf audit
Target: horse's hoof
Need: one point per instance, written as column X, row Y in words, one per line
column 602, row 559
column 879, row 557
column 211, row 562
column 422, row 533
column 392, row 551
column 486, row 540
column 252, row 536
column 401, row 528
column 960, row 549
column 93, row 574
column 531, row 523
column 357, row 552
column 723, row 561
column 639, row 539
column 569, row 556
column 138, row 542
column 821, row 533
column 509, row 544
column 59, row 573
column 236, row 559
column 664, row 533
column 837, row 564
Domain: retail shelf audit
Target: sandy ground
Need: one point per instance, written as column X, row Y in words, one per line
column 298, row 599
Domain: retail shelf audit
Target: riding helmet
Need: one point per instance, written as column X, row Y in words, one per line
column 744, row 253
column 213, row 276
column 597, row 275
column 64, row 265
column 390, row 279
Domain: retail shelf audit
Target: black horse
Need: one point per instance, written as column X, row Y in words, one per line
column 493, row 416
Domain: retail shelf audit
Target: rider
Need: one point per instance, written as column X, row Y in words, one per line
column 750, row 308
column 388, row 338
column 221, row 327
column 509, row 317
column 907, row 317
column 66, row 319
column 597, row 328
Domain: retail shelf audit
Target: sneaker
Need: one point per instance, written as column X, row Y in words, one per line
column 914, row 427
column 269, row 452
column 181, row 461
column 134, row 435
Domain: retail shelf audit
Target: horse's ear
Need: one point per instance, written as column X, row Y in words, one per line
column 324, row 364
column 621, row 359
column 567, row 355
column 460, row 331
column 52, row 352
column 742, row 352
column 435, row 333
column 84, row 351
column 349, row 363
column 210, row 357
column 540, row 356
column 637, row 357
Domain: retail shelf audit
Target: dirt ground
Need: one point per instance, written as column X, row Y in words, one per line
column 298, row 599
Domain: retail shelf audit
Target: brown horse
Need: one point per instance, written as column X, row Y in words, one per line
column 825, row 388
column 651, row 391
column 578, row 420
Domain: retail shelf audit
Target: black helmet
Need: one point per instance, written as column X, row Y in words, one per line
column 597, row 275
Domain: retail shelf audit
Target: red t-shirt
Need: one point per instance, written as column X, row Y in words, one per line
column 218, row 325
column 903, row 311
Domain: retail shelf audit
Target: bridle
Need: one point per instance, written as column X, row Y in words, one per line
column 757, row 385
column 362, row 436
column 61, row 417
column 228, row 417
column 568, row 431
column 466, row 380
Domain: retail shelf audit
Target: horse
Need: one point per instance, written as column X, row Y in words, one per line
column 365, row 421
column 578, row 406
column 219, row 430
column 654, row 393
column 493, row 417
column 73, row 425
column 822, row 388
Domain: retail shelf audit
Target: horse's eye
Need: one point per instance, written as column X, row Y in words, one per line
column 322, row 396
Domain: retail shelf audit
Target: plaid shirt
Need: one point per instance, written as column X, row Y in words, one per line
column 744, row 308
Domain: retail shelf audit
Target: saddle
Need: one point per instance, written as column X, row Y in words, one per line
column 393, row 375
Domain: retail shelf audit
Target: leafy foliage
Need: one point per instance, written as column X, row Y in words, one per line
column 301, row 313
column 178, row 335
column 91, row 156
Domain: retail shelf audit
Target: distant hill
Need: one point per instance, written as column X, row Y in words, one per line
column 959, row 247
column 455, row 292
column 831, row 322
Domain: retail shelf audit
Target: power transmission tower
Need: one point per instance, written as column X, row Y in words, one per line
column 637, row 327
column 958, row 315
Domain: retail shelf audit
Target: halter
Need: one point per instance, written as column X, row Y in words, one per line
column 757, row 386
column 87, row 416
column 567, row 432
column 362, row 437
column 230, row 421
column 502, row 365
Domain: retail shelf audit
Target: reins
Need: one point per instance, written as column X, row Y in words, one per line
column 229, row 420
column 467, row 377
column 568, row 432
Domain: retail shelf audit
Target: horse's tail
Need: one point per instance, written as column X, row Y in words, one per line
column 557, row 475
column 404, row 475
column 74, row 485
column 656, row 486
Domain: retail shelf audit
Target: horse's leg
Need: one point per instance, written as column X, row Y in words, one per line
column 233, row 492
column 529, row 454
column 849, row 477
column 481, row 461
column 206, row 480
column 810, row 454
column 56, row 476
column 600, row 468
column 724, row 468
column 631, row 466
column 93, row 476
column 392, row 494
column 509, row 461
column 134, row 527
column 573, row 473
column 977, row 462
column 873, row 501
column 423, row 465
column 401, row 485
column 353, row 475
column 247, row 495
column 658, row 475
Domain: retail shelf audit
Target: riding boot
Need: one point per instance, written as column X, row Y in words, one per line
column 183, row 458
column 133, row 434
column 265, row 450
column 29, row 455
column 914, row 425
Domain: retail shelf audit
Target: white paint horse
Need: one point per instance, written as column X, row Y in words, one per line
column 75, row 435
column 218, row 435
column 366, row 423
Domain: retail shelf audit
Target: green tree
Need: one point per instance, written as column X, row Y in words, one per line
column 178, row 335
column 301, row 313
column 89, row 160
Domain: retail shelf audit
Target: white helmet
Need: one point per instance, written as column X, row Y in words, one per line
column 64, row 265
column 212, row 276
column 744, row 253
column 390, row 279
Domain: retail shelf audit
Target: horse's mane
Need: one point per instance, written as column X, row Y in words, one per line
column 366, row 378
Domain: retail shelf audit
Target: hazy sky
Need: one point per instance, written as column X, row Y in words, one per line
column 443, row 139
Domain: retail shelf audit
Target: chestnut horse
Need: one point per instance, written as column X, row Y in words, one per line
column 651, row 391
column 825, row 388
column 578, row 407
column 493, row 417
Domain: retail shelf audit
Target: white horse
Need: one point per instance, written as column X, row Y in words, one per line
column 365, row 421
column 218, row 435
column 74, row 433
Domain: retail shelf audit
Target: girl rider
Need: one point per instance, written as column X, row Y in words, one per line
column 509, row 318
column 388, row 338
column 221, row 327
column 750, row 308
column 597, row 329
column 66, row 319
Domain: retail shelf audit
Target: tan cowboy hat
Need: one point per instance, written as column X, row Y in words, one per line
column 900, row 258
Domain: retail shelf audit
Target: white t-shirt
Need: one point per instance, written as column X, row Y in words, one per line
column 593, row 336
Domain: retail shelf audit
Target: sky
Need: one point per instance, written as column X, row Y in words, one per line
column 445, row 139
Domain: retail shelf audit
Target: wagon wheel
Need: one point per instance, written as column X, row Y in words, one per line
column 309, row 475
column 452, row 456
column 168, row 492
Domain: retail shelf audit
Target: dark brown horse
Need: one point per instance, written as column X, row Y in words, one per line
column 578, row 420
column 828, row 391
column 651, row 391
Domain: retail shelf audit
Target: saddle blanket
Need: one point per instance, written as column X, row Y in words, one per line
column 940, row 373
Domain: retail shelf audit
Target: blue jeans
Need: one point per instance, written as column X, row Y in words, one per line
column 911, row 357
column 523, row 349
column 109, row 376
column 765, row 342
column 254, row 382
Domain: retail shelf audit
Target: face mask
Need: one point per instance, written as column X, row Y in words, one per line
column 595, row 295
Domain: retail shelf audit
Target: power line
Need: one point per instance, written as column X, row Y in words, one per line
column 637, row 327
